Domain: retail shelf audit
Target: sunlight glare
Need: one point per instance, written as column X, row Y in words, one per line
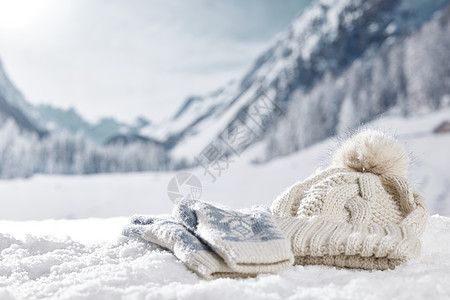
column 19, row 14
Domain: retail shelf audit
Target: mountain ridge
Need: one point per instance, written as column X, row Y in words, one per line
column 339, row 65
column 44, row 119
column 324, row 42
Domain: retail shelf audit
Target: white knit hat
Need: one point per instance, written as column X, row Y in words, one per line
column 360, row 213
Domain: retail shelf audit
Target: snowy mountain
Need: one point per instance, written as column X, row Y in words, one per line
column 57, row 120
column 44, row 119
column 44, row 139
column 340, row 64
column 14, row 106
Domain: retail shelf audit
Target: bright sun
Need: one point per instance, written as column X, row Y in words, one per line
column 18, row 14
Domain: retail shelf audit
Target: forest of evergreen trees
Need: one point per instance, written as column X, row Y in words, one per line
column 23, row 154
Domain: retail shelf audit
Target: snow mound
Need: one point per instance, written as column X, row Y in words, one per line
column 39, row 267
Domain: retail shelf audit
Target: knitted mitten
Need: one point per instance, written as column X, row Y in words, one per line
column 184, row 245
column 249, row 242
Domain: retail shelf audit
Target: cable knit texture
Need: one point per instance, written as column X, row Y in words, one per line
column 360, row 213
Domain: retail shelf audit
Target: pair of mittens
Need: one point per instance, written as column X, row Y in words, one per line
column 218, row 242
column 181, row 242
column 248, row 241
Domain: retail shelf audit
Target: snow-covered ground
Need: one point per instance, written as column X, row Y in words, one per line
column 46, row 267
column 60, row 235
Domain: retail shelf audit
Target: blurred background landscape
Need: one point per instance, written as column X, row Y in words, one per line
column 102, row 103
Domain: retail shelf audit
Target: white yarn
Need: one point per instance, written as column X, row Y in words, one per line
column 360, row 213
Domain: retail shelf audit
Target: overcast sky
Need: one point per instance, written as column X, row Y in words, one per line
column 128, row 58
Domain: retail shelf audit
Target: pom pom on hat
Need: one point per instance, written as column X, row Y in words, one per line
column 372, row 151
